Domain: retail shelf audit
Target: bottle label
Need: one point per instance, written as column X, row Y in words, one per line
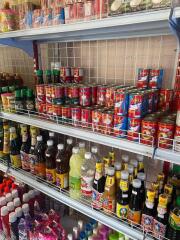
column 174, row 221
column 75, row 183
column 147, row 222
column 134, row 216
column 62, row 180
column 122, row 210
column 124, row 185
column 86, row 185
column 16, row 160
column 6, row 146
column 25, row 160
column 97, row 199
column 51, row 175
column 109, row 204
column 159, row 229
column 32, row 160
column 30, row 105
column 118, row 174
column 40, row 170
column 141, row 166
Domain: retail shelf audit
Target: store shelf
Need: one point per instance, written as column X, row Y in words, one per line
column 168, row 155
column 125, row 26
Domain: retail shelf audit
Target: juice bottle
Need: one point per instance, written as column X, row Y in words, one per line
column 135, row 165
column 5, row 221
column 117, row 166
column 110, row 190
column 76, row 161
column 14, row 149
column 140, row 159
column 62, row 175
column 40, row 163
column 134, row 212
column 13, row 223
column 25, row 148
column 125, row 160
column 122, row 204
column 141, row 176
column 82, row 149
column 87, row 175
column 50, row 156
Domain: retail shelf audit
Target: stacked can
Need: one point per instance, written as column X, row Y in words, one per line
column 40, row 98
column 165, row 99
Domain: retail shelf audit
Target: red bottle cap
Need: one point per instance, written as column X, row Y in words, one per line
column 6, row 190
column 14, row 186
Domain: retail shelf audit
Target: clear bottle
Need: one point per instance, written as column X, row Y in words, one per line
column 95, row 156
column 68, row 150
column 50, row 156
column 82, row 149
column 125, row 160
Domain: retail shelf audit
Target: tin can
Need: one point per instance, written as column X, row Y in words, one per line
column 150, row 101
column 109, row 96
column 65, row 75
column 57, row 110
column 143, row 78
column 66, row 112
column 40, row 92
column 80, row 10
column 49, row 110
column 155, row 78
column 134, row 127
column 155, row 99
column 177, row 139
column 48, row 92
column 149, row 131
column 85, row 96
column 135, row 105
column 121, row 103
column 97, row 119
column 165, row 99
column 86, row 117
column 70, row 12
column 101, row 95
column 88, row 10
column 73, row 94
column 107, row 122
column 78, row 74
column 66, row 98
column 57, row 91
column 120, row 126
column 41, row 107
column 94, row 94
column 166, row 130
column 76, row 116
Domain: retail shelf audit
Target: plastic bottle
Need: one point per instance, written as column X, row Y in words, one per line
column 135, row 165
column 2, row 204
column 87, row 175
column 25, row 149
column 5, row 221
column 13, row 222
column 134, row 212
column 62, row 175
column 50, row 156
column 122, row 204
column 82, row 149
column 69, row 236
column 117, row 166
column 17, row 202
column 109, row 195
column 76, row 161
column 140, row 159
column 111, row 155
column 14, row 149
column 40, row 163
column 104, row 232
column 19, row 213
column 125, row 160
column 155, row 187
column 141, row 176
column 14, row 193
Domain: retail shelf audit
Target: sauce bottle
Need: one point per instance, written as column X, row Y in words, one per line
column 25, row 148
column 32, row 154
column 30, row 106
column 107, row 164
column 140, row 159
column 62, row 176
column 50, row 156
column 110, row 190
column 135, row 165
column 5, row 221
column 148, row 211
column 134, row 212
column 56, row 75
column 141, row 176
column 40, row 160
column 39, row 74
column 111, row 155
column 1, row 138
column 122, row 204
column 160, row 179
column 130, row 170
column 168, row 190
column 117, row 166
column 6, row 142
column 18, row 101
column 155, row 187
column 14, row 149
column 125, row 160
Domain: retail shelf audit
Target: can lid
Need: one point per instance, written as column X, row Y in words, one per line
column 75, row 150
column 4, row 211
column 125, row 158
column 48, row 72
column 134, row 163
column 10, row 206
column 31, row 194
column 2, row 201
column 94, row 149
column 136, row 183
column 82, row 145
column 12, row 217
column 69, row 141
column 14, row 193
column 60, row 146
column 130, row 169
column 8, row 197
column 18, row 211
column 139, row 157
column 50, row 143
column 39, row 72
column 111, row 171
column 141, row 176
column 39, row 138
column 87, row 155
column 17, row 202
column 29, row 92
column 124, row 175
column 117, row 166
column 18, row 93
column 25, row 208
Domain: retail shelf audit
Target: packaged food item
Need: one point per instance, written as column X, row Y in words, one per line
column 149, row 128
column 143, row 77
column 107, row 122
column 120, row 126
column 101, row 95
column 8, row 18
column 155, row 78
column 85, row 96
column 134, row 126
column 121, row 99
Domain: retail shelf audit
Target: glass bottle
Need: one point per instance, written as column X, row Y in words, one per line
column 40, row 163
column 50, row 156
column 14, row 149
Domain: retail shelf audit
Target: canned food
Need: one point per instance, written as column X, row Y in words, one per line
column 143, row 77
column 49, row 109
column 150, row 101
column 149, row 131
column 73, row 94
column 41, row 107
column 135, row 105
column 48, row 92
column 88, row 10
column 94, row 95
column 66, row 112
column 57, row 91
column 76, row 116
column 96, row 119
column 120, row 126
column 66, row 98
column 70, row 12
column 165, row 99
column 165, row 133
column 134, row 126
column 57, row 110
column 177, row 139
column 101, row 95
column 121, row 103
column 86, row 117
column 78, row 74
column 155, row 78
column 85, row 96
column 80, row 10
column 65, row 75
column 109, row 97
column 107, row 122
column 40, row 92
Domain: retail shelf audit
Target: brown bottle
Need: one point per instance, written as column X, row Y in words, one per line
column 40, row 161
column 50, row 156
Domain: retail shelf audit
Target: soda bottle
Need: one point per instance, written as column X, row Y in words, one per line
column 14, row 149
column 76, row 161
column 110, row 190
column 141, row 176
column 40, row 161
column 125, row 160
column 148, row 211
column 82, row 149
column 25, row 148
column 117, row 166
column 62, row 175
column 39, row 74
column 50, row 156
column 122, row 204
column 134, row 212
column 87, row 175
column 135, row 165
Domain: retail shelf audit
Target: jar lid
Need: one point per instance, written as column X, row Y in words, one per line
column 117, row 166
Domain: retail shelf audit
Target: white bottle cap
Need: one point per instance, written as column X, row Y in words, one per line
column 139, row 157
column 10, row 206
column 36, row 192
column 39, row 138
column 50, row 143
column 75, row 150
column 8, row 197
column 80, row 225
column 12, row 217
column 110, row 171
column 3, row 201
column 25, row 197
column 4, row 211
column 60, row 146
column 17, row 202
column 19, row 212
column 87, row 155
column 82, row 145
column 51, row 134
column 12, row 129
column 25, row 208
column 141, row 176
column 69, row 141
column 134, row 163
column 117, row 166
column 125, row 158
column 124, row 175
column 14, row 193
column 130, row 169
column 31, row 194
column 94, row 149
column 69, row 236
column 95, row 231
column 136, row 183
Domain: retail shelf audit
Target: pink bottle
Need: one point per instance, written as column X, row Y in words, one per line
column 10, row 206
column 5, row 221
column 14, row 193
column 103, row 232
column 17, row 202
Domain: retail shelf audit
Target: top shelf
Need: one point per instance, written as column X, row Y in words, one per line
column 125, row 26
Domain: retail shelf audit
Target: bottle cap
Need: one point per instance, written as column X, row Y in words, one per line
column 17, row 202
column 4, row 211
column 23, row 92
column 82, row 235
column 69, row 236
column 14, row 193
column 25, row 197
column 82, row 145
column 94, row 149
column 124, row 175
column 117, row 166
column 87, row 155
column 141, row 176
column 48, row 72
column 8, row 197
column 80, row 225
column 39, row 138
column 56, row 72
column 51, row 134
column 139, row 157
column 12, row 130
column 75, row 231
column 178, row 201
column 125, row 158
column 60, row 146
column 111, row 171
column 39, row 72
column 69, row 141
column 136, row 183
column 75, row 150
column 25, row 208
column 19, row 212
column 10, row 206
column 150, row 195
column 12, row 217
column 130, row 169
column 168, row 189
column 134, row 163
column 31, row 194
column 3, row 201
column 50, row 143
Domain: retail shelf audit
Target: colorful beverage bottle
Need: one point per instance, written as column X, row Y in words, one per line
column 25, row 148
column 50, row 156
column 40, row 161
column 32, row 152
column 5, row 221
column 117, row 166
column 140, row 159
column 125, row 160
column 14, row 149
column 135, row 165
column 2, row 204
